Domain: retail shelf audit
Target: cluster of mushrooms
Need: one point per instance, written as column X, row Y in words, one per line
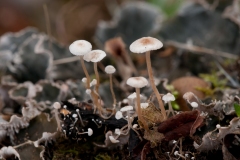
column 83, row 49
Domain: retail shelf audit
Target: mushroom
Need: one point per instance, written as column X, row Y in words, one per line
column 110, row 70
column 56, row 107
column 137, row 83
column 167, row 98
column 147, row 44
column 80, row 48
column 89, row 132
column 95, row 56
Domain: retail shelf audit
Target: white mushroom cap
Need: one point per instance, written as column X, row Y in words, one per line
column 94, row 56
column 117, row 131
column 113, row 140
column 90, row 132
column 168, row 97
column 144, row 105
column 126, row 108
column 118, row 115
column 80, row 47
column 137, row 82
column 145, row 44
column 194, row 104
column 57, row 105
column 110, row 69
column 133, row 95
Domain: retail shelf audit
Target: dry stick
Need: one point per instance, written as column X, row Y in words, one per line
column 155, row 90
column 139, row 110
column 201, row 50
column 97, row 76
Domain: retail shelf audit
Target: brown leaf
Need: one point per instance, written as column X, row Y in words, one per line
column 146, row 150
column 180, row 125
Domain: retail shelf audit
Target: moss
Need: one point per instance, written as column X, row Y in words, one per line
column 102, row 156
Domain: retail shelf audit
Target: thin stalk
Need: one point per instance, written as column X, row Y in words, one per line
column 97, row 76
column 170, row 109
column 111, row 88
column 85, row 72
column 155, row 90
column 139, row 110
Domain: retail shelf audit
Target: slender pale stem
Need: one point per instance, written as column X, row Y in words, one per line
column 170, row 109
column 112, row 91
column 155, row 90
column 97, row 76
column 85, row 72
column 139, row 110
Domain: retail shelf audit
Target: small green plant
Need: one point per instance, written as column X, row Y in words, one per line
column 237, row 109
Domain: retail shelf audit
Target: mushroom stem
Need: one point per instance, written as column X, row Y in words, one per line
column 111, row 88
column 170, row 109
column 85, row 72
column 155, row 90
column 58, row 120
column 139, row 110
column 97, row 76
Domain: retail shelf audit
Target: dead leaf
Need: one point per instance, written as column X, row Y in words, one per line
column 181, row 125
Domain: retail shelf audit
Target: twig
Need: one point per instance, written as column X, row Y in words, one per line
column 197, row 49
column 234, row 83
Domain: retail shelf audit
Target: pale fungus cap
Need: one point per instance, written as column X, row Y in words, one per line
column 168, row 97
column 126, row 108
column 133, row 95
column 194, row 104
column 110, row 69
column 117, row 131
column 90, row 132
column 118, row 115
column 145, row 44
column 94, row 82
column 80, row 47
column 94, row 56
column 144, row 105
column 113, row 140
column 56, row 105
column 84, row 80
column 137, row 82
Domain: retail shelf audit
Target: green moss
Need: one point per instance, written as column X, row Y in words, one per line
column 102, row 156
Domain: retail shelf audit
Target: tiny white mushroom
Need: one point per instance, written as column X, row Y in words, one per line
column 126, row 108
column 218, row 126
column 117, row 131
column 113, row 140
column 144, row 105
column 194, row 104
column 94, row 82
column 167, row 98
column 135, row 125
column 80, row 48
column 147, row 44
column 118, row 115
column 90, row 132
column 137, row 83
column 88, row 91
column 133, row 95
column 95, row 56
column 57, row 106
column 110, row 70
column 84, row 80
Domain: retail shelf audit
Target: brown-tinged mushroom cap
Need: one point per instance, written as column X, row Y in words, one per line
column 94, row 56
column 80, row 47
column 137, row 82
column 145, row 44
